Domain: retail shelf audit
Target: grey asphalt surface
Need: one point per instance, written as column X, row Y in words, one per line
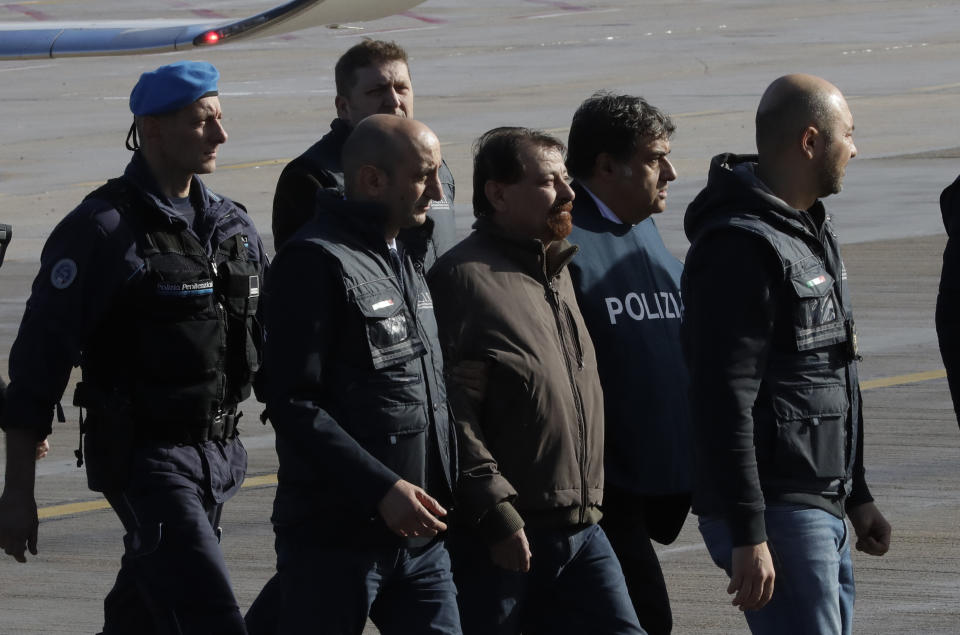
column 509, row 62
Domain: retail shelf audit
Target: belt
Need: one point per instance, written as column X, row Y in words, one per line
column 220, row 428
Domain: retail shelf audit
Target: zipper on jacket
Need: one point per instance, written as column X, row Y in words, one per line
column 222, row 318
column 556, row 305
column 831, row 248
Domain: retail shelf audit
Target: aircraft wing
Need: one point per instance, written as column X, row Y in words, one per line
column 31, row 40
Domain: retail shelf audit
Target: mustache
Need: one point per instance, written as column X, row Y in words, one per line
column 563, row 206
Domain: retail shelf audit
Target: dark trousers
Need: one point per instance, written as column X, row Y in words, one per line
column 332, row 588
column 574, row 586
column 173, row 579
column 948, row 334
column 630, row 522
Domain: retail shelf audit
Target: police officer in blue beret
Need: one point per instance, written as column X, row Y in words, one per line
column 151, row 286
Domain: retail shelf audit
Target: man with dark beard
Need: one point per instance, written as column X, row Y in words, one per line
column 528, row 554
column 772, row 351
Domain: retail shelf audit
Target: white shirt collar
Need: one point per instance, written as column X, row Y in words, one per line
column 392, row 244
column 605, row 211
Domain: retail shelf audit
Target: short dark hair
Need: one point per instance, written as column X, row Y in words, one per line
column 496, row 157
column 615, row 124
column 366, row 53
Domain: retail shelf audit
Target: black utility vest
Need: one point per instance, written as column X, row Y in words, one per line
column 807, row 413
column 385, row 380
column 181, row 345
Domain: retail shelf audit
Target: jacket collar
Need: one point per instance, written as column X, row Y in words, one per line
column 586, row 213
column 365, row 220
column 529, row 253
column 139, row 174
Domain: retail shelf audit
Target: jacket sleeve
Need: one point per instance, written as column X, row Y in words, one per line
column 484, row 496
column 728, row 292
column 259, row 325
column 305, row 298
column 860, row 493
column 295, row 200
column 86, row 262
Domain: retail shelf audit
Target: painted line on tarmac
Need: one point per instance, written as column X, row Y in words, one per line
column 900, row 380
column 56, row 511
column 234, row 166
column 267, row 480
column 68, row 509
column 254, row 164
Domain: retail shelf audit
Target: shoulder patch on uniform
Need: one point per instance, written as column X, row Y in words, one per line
column 63, row 273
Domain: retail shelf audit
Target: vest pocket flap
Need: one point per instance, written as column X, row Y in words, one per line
column 811, row 432
column 812, row 402
column 813, row 283
column 383, row 304
column 391, row 330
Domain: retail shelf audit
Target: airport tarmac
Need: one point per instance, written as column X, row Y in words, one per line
column 510, row 62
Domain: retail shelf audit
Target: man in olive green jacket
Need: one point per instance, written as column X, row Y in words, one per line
column 529, row 554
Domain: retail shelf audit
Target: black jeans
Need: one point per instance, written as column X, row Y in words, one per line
column 631, row 521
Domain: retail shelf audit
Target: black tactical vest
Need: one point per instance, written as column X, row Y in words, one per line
column 386, row 385
column 181, row 345
column 807, row 413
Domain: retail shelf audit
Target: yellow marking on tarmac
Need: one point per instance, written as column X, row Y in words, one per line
column 254, row 164
column 86, row 184
column 235, row 166
column 265, row 480
column 931, row 89
column 899, row 380
column 704, row 113
column 57, row 511
column 260, row 481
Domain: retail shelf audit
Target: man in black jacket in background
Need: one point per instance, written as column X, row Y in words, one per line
column 948, row 299
column 356, row 394
column 372, row 77
column 771, row 346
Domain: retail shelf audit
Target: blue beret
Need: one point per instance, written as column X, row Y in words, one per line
column 172, row 87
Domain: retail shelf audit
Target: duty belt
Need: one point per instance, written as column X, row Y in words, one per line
column 220, row 428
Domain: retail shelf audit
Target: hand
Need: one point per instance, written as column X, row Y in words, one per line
column 18, row 509
column 872, row 529
column 409, row 511
column 18, row 524
column 43, row 448
column 471, row 375
column 512, row 553
column 751, row 577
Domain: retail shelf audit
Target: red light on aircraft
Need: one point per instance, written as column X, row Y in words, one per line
column 211, row 37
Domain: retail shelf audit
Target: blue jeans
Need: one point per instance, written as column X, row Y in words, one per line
column 813, row 591
column 574, row 586
column 333, row 588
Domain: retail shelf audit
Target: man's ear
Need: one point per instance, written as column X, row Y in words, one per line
column 811, row 141
column 494, row 191
column 372, row 181
column 606, row 168
column 150, row 127
column 343, row 108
